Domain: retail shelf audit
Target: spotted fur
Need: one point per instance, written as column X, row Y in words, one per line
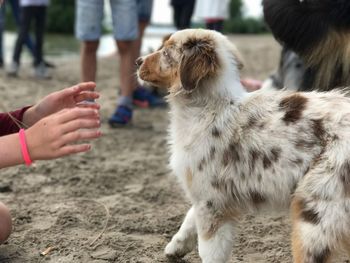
column 235, row 152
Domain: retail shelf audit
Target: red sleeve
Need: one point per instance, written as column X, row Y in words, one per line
column 7, row 125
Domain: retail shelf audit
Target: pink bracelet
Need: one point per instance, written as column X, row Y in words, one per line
column 24, row 149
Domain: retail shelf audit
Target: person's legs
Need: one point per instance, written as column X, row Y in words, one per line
column 186, row 14
column 125, row 25
column 88, row 60
column 217, row 25
column 26, row 17
column 41, row 70
column 40, row 22
column 144, row 8
column 5, row 223
column 16, row 15
column 143, row 97
column 209, row 25
column 89, row 15
column 177, row 16
column 126, row 51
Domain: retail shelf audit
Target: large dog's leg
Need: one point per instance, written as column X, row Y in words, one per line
column 215, row 236
column 185, row 239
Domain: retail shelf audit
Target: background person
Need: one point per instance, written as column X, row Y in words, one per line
column 89, row 16
column 183, row 11
column 31, row 10
column 14, row 4
column 144, row 97
column 213, row 12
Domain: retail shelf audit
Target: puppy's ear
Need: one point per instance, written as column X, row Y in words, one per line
column 199, row 60
column 165, row 39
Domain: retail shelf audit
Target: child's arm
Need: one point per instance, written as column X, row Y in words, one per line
column 54, row 102
column 56, row 125
column 10, row 151
column 52, row 137
column 7, row 124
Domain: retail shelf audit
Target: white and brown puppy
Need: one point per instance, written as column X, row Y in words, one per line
column 236, row 152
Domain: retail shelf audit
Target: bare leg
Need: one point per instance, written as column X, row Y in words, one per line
column 5, row 223
column 185, row 239
column 89, row 60
column 127, row 69
column 142, row 27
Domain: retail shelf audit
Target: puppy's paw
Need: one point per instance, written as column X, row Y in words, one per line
column 179, row 247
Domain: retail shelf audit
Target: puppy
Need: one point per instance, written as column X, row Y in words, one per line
column 236, row 152
column 318, row 31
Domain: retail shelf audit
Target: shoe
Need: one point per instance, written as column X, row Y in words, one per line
column 144, row 98
column 49, row 64
column 41, row 71
column 121, row 117
column 13, row 70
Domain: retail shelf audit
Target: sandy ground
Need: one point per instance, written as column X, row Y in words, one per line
column 124, row 182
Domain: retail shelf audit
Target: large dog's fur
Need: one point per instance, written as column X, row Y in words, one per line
column 318, row 31
column 290, row 74
column 236, row 152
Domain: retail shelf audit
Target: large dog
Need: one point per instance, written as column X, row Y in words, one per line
column 318, row 31
column 236, row 152
column 290, row 74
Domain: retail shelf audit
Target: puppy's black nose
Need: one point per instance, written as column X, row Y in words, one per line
column 139, row 62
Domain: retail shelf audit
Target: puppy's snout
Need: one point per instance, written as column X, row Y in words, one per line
column 138, row 62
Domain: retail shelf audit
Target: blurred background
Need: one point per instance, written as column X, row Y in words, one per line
column 245, row 18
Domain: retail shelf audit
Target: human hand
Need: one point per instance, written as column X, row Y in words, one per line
column 251, row 84
column 63, row 99
column 61, row 133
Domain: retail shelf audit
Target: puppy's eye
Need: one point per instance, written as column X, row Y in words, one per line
column 165, row 53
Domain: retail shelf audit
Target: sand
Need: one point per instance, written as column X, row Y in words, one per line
column 122, row 191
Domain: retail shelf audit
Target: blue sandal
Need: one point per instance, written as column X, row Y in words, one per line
column 121, row 117
column 144, row 98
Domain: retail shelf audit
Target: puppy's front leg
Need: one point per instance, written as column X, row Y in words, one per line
column 215, row 236
column 185, row 239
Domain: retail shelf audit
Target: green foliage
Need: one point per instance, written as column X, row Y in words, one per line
column 242, row 25
column 236, row 8
column 10, row 23
column 245, row 26
column 60, row 16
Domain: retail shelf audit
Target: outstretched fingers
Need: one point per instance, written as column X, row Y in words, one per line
column 86, row 86
column 86, row 95
column 87, row 123
column 80, row 135
column 80, row 92
column 72, row 149
column 87, row 104
column 68, row 115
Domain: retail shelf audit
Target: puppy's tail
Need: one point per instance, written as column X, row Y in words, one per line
column 317, row 30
